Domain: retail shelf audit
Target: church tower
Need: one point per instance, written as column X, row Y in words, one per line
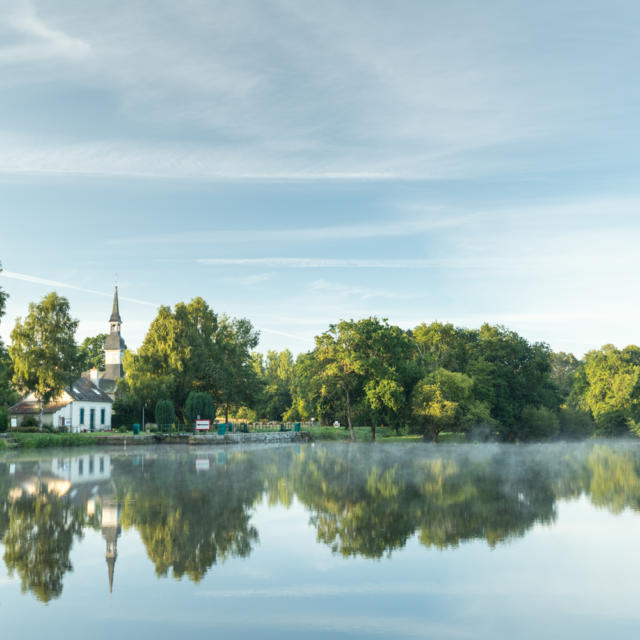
column 114, row 344
column 110, row 532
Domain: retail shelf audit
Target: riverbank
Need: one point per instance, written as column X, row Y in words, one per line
column 51, row 440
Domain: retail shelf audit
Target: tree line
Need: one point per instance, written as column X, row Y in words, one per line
column 489, row 383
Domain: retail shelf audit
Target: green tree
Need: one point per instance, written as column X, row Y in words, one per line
column 165, row 415
column 43, row 349
column 363, row 359
column 7, row 394
column 611, row 388
column 510, row 373
column 91, row 352
column 276, row 377
column 442, row 401
column 176, row 356
column 233, row 375
column 564, row 369
column 538, row 423
column 199, row 405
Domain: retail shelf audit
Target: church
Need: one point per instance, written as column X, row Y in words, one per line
column 114, row 347
column 86, row 404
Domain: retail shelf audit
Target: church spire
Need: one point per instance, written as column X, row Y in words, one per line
column 115, row 313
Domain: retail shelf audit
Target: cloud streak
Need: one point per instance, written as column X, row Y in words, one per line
column 12, row 275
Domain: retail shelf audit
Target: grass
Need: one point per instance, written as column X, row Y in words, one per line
column 383, row 434
column 46, row 440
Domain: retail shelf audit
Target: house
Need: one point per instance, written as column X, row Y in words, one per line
column 86, row 404
column 80, row 407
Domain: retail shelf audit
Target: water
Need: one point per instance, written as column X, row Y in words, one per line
column 332, row 541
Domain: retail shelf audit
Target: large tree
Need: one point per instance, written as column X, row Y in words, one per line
column 233, row 373
column 43, row 349
column 175, row 358
column 363, row 359
column 7, row 395
column 91, row 352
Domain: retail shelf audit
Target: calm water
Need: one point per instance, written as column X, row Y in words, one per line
column 327, row 541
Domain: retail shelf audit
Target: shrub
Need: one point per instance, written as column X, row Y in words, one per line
column 123, row 429
column 165, row 415
column 199, row 404
column 538, row 423
column 576, row 424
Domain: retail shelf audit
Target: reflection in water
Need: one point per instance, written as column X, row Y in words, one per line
column 193, row 511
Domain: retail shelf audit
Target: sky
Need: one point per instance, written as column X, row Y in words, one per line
column 298, row 163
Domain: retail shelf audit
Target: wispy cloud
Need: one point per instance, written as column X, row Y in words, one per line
column 430, row 220
column 363, row 293
column 36, row 40
column 324, row 263
column 12, row 275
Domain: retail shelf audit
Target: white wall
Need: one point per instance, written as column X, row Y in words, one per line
column 87, row 406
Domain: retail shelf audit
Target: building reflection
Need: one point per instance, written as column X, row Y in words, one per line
column 82, row 489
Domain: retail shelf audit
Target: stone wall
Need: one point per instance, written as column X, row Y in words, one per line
column 265, row 437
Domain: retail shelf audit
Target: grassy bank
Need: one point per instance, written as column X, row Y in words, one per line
column 383, row 434
column 47, row 440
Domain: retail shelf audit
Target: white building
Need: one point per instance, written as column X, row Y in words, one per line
column 80, row 407
column 85, row 405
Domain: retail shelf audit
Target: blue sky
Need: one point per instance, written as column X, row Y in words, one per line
column 297, row 163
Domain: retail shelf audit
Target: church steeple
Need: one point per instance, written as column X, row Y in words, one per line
column 111, row 532
column 115, row 313
column 114, row 344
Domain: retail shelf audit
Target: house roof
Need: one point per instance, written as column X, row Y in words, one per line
column 33, row 406
column 85, row 390
column 80, row 390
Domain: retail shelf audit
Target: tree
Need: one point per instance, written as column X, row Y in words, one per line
column 276, row 377
column 165, row 414
column 91, row 352
column 610, row 382
column 176, row 356
column 510, row 373
column 232, row 372
column 442, row 401
column 43, row 349
column 199, row 405
column 7, row 395
column 364, row 359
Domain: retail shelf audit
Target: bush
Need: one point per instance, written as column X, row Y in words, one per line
column 4, row 419
column 165, row 415
column 199, row 404
column 123, row 429
column 576, row 424
column 538, row 423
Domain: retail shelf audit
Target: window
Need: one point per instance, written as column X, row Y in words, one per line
column 91, row 465
column 81, row 415
column 102, row 415
column 80, row 467
column 101, row 464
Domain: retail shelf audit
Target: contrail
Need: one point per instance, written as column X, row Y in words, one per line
column 64, row 285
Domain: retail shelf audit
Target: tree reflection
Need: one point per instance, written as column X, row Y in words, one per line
column 362, row 501
column 188, row 522
column 40, row 532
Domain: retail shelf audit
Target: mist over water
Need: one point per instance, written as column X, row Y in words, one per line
column 353, row 540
